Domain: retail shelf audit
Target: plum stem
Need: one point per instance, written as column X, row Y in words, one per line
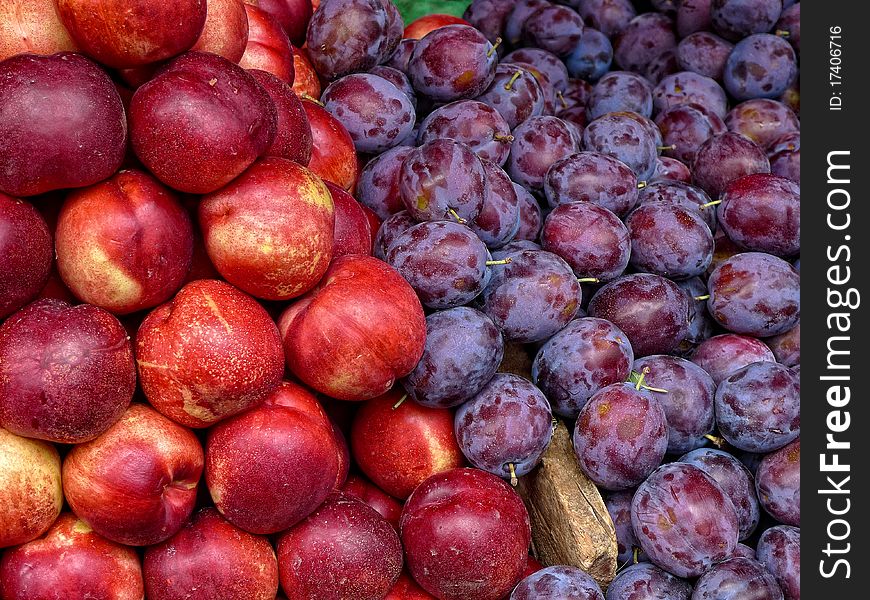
column 783, row 33
column 495, row 46
column 456, row 216
column 401, row 400
column 504, row 261
column 709, row 204
column 514, row 480
column 510, row 84
column 663, row 148
column 561, row 99
column 702, row 298
column 717, row 441
column 634, row 554
column 641, row 184
column 639, row 383
column 587, row 280
column 503, row 138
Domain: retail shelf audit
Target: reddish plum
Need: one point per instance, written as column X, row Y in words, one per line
column 538, row 143
column 778, row 481
column 723, row 354
column 592, row 177
column 724, row 158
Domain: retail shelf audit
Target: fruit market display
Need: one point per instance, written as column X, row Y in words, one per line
column 302, row 301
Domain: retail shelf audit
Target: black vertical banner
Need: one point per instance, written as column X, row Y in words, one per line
column 835, row 253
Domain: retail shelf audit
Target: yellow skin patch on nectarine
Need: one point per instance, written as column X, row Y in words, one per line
column 95, row 270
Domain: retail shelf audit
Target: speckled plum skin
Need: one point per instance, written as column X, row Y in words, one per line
column 786, row 347
column 737, row 579
column 723, row 354
column 620, row 91
column 32, row 26
column 624, row 137
column 762, row 212
column 71, row 561
column 590, row 238
column 26, row 254
column 399, row 448
column 268, row 47
column 592, row 177
column 30, row 489
column 531, row 218
column 704, row 53
column 378, row 185
column 443, row 261
column 645, row 581
column 508, row 422
column 513, row 298
column 670, row 241
column 688, row 403
column 619, row 508
column 271, row 231
column 692, row 16
column 687, row 87
column 778, row 484
column 210, row 559
column 735, row 480
column 558, row 583
column 333, row 155
column 292, row 468
column 686, row 127
column 124, row 244
column 683, row 520
column 538, row 143
column 758, row 407
column 345, row 549
column 82, row 132
column 345, row 36
column 127, row 34
column 167, row 116
column 452, row 62
column 136, row 483
column 755, row 294
column 66, row 372
column 515, row 98
column 724, row 158
column 209, row 353
column 643, row 39
column 473, row 123
column 621, row 435
column 466, row 535
column 670, row 169
column 374, row 111
column 760, row 66
column 499, row 218
column 463, row 351
column 293, row 133
column 226, row 29
column 779, row 550
column 665, row 321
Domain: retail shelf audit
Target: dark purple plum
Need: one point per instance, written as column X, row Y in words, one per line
column 645, row 581
column 651, row 310
column 548, row 92
column 762, row 212
column 515, row 94
column 576, row 117
column 451, row 63
column 737, row 579
column 590, row 238
column 669, row 240
column 779, row 550
column 607, row 16
column 661, row 66
column 546, row 62
column 760, row 66
column 764, row 121
column 789, row 25
column 791, row 97
column 554, row 28
column 513, row 247
column 704, row 53
column 489, row 16
column 737, row 19
column 531, row 218
column 398, row 79
column 644, row 38
column 626, row 138
column 620, row 91
column 577, row 94
column 735, row 480
column 345, row 36
column 402, row 55
column 463, row 351
column 443, row 179
column 724, row 158
column 621, row 436
column 499, row 219
column 506, row 427
column 517, row 18
column 778, row 482
column 558, row 583
column 376, row 113
column 682, row 195
column 687, row 401
column 444, row 261
column 670, row 169
column 592, row 177
column 683, row 520
column 700, row 323
column 378, row 183
column 786, row 347
column 786, row 161
column 685, row 128
column 591, row 58
column 538, row 143
column 692, row 16
column 744, row 551
column 687, row 87
column 619, row 508
column 755, row 294
column 584, row 357
column 723, row 354
column 532, row 297
column 475, row 124
column 389, row 230
column 758, row 407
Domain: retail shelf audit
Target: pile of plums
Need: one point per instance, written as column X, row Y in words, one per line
column 263, row 264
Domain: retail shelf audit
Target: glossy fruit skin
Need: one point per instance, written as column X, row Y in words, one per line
column 452, row 62
column 645, row 581
column 441, row 555
column 473, row 123
column 735, row 480
column 704, row 53
column 552, row 583
column 26, row 253
column 724, row 158
column 554, row 28
column 643, row 39
column 538, row 143
column 768, row 302
column 389, row 230
column 378, row 185
column 779, row 550
column 66, row 372
column 197, row 562
column 591, row 58
column 761, row 212
column 682, row 195
column 499, row 219
column 669, row 241
column 619, row 508
column 516, row 99
column 737, row 578
column 609, row 17
column 762, row 120
column 758, row 407
column 592, row 177
column 737, row 19
column 620, row 91
column 268, row 47
column 360, row 488
column 226, row 29
column 33, row 26
column 353, row 230
column 463, row 351
column 774, row 71
column 670, row 169
column 293, row 134
column 621, row 435
column 778, row 483
column 723, row 354
column 63, row 93
column 622, row 136
column 683, row 520
column 531, row 218
column 333, row 155
column 345, row 549
column 786, row 347
column 397, row 448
